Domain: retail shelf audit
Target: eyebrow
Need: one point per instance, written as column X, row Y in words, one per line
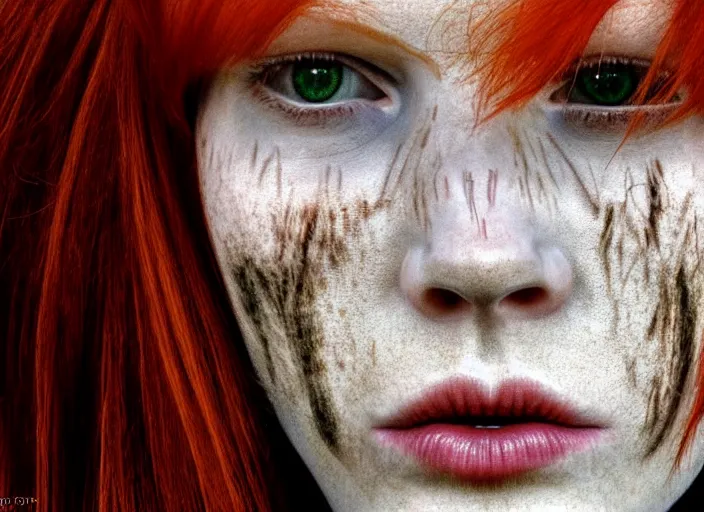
column 332, row 16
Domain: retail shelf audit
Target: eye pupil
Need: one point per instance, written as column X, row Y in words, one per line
column 315, row 81
column 607, row 84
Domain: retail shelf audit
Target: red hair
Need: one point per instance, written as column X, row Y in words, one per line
column 124, row 387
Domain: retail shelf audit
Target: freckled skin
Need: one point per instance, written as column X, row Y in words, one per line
column 371, row 258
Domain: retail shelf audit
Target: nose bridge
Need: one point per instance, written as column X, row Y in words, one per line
column 488, row 250
column 478, row 163
column 482, row 202
column 487, row 225
column 485, row 251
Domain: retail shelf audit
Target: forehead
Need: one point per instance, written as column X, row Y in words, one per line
column 632, row 27
column 413, row 21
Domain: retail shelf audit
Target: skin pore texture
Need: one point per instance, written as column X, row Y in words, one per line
column 388, row 246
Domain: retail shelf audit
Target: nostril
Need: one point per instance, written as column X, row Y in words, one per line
column 526, row 297
column 439, row 300
column 506, row 283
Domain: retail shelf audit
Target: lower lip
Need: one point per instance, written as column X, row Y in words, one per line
column 489, row 454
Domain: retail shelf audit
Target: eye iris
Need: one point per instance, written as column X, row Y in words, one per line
column 607, row 85
column 315, row 81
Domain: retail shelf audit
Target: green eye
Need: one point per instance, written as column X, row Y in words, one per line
column 316, row 81
column 606, row 84
column 316, row 84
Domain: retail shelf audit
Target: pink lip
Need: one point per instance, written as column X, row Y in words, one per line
column 438, row 430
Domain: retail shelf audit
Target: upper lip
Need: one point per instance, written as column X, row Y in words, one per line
column 470, row 402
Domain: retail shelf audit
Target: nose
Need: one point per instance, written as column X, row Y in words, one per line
column 507, row 271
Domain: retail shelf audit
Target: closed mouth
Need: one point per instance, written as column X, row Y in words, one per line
column 460, row 428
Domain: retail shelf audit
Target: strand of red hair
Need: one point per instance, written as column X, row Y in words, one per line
column 122, row 388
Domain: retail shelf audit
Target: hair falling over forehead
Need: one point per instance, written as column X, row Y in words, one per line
column 122, row 387
column 526, row 44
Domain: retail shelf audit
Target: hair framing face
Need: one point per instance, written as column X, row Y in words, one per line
column 109, row 298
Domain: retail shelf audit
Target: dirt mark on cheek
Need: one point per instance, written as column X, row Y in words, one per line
column 657, row 247
column 279, row 288
column 279, row 293
column 674, row 325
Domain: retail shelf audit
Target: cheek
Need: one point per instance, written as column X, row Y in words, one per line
column 277, row 291
column 277, row 258
column 650, row 250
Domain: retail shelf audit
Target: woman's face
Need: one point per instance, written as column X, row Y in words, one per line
column 405, row 282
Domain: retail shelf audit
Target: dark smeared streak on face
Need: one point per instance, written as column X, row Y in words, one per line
column 283, row 290
column 592, row 197
column 605, row 243
column 674, row 319
column 414, row 166
column 675, row 316
column 655, row 185
column 249, row 280
column 279, row 291
column 536, row 179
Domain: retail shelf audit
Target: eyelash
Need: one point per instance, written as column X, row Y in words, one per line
column 309, row 115
column 612, row 117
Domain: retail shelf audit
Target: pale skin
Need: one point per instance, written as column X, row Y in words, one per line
column 377, row 251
